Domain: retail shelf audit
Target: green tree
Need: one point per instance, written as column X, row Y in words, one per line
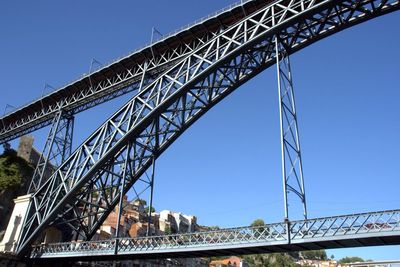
column 144, row 204
column 168, row 231
column 13, row 170
column 257, row 222
column 314, row 255
column 249, row 259
column 282, row 259
column 351, row 259
column 271, row 260
column 142, row 201
column 146, row 209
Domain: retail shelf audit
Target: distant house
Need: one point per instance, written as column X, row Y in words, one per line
column 229, row 262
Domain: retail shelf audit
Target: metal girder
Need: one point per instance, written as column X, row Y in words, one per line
column 121, row 197
column 57, row 148
column 96, row 93
column 162, row 111
column 329, row 232
column 110, row 82
column 292, row 167
column 149, row 221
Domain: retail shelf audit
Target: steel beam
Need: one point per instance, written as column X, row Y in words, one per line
column 151, row 195
column 122, row 76
column 121, row 199
column 292, row 167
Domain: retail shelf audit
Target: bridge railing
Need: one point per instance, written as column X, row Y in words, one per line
column 270, row 232
column 363, row 223
column 357, row 225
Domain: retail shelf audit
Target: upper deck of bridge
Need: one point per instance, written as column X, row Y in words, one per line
column 10, row 129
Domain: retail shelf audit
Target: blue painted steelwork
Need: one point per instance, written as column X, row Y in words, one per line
column 165, row 107
column 122, row 76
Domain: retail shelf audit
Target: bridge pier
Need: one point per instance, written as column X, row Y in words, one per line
column 10, row 240
column 57, row 148
column 151, row 194
column 292, row 166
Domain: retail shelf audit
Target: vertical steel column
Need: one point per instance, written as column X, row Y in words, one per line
column 153, row 163
column 57, row 148
column 121, row 198
column 151, row 194
column 292, row 169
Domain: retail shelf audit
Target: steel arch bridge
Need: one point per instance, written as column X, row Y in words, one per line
column 175, row 81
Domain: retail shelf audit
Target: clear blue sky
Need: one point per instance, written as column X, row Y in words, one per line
column 226, row 168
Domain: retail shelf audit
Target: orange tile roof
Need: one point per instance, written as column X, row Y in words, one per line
column 225, row 262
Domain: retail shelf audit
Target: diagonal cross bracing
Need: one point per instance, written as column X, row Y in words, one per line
column 292, row 167
column 120, row 77
column 159, row 113
column 57, row 148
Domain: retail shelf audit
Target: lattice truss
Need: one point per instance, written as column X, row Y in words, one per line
column 146, row 125
column 57, row 148
column 376, row 224
column 119, row 83
column 292, row 167
column 350, row 225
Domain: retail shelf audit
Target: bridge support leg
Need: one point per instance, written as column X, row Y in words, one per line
column 292, row 169
column 151, row 194
column 58, row 147
column 121, row 200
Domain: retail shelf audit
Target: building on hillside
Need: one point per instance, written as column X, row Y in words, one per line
column 176, row 222
column 28, row 152
column 195, row 262
column 134, row 221
column 229, row 262
column 319, row 263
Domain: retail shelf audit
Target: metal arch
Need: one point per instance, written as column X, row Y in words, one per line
column 153, row 119
column 292, row 166
column 58, row 147
column 119, row 83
